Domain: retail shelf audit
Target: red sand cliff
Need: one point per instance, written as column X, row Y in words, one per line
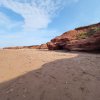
column 85, row 38
column 81, row 39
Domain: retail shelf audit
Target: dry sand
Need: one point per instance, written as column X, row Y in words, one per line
column 28, row 74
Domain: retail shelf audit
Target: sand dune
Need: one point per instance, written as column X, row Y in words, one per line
column 49, row 75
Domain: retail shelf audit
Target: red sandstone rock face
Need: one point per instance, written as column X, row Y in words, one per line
column 69, row 40
column 43, row 46
column 23, row 47
column 89, row 44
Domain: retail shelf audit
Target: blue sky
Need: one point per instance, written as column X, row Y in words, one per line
column 32, row 22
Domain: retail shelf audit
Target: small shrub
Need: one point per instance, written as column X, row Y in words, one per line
column 97, row 29
column 89, row 33
column 81, row 36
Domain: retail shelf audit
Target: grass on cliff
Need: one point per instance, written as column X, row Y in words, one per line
column 89, row 33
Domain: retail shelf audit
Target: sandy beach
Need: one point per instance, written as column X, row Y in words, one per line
column 29, row 74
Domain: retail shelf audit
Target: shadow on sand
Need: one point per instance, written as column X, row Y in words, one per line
column 64, row 79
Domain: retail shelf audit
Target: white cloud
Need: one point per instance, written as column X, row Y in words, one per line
column 7, row 24
column 37, row 14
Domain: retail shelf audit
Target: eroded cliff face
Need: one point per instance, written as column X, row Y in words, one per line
column 43, row 46
column 82, row 39
column 23, row 47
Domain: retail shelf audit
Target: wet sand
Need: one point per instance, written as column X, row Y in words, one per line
column 28, row 74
